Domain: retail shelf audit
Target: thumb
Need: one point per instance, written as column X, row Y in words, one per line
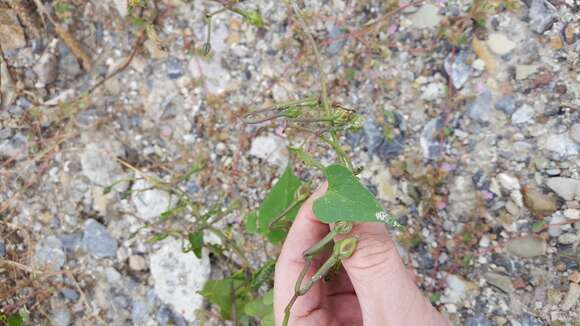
column 384, row 287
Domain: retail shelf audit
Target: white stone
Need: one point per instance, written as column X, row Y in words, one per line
column 500, row 44
column 426, row 17
column 478, row 64
column 575, row 132
column 484, row 242
column 99, row 165
column 561, row 144
column 457, row 290
column 271, row 148
column 523, row 114
column 178, row 276
column 150, row 203
column 567, row 188
column 524, row 71
column 122, row 7
column 433, row 91
column 572, row 297
column 572, row 214
column 508, row 182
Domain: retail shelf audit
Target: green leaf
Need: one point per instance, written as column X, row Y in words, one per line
column 346, row 199
column 14, row 320
column 306, row 158
column 281, row 196
column 268, row 320
column 264, row 274
column 219, row 292
column 196, row 242
column 252, row 222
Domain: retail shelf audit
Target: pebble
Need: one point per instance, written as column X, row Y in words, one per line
column 555, row 228
column 561, row 144
column 458, row 69
column 150, row 204
column 174, row 68
column 112, row 275
column 542, row 16
column 575, row 132
column 572, row 214
column 15, row 148
column 457, row 289
column 122, row 7
column 524, row 71
column 568, row 239
column 337, row 40
column 46, row 68
column 137, row 263
column 376, row 143
column 429, row 141
column 566, row 188
column 500, row 44
column 508, row 182
column 433, row 91
column 11, row 34
column 480, row 108
column 527, row 247
column 49, row 253
column 501, row 282
column 140, row 311
column 71, row 242
column 271, row 148
column 70, row 294
column 523, row 115
column 538, row 203
column 97, row 241
column 506, row 104
column 168, row 264
column 426, row 17
column 61, row 317
column 101, row 167
column 478, row 320
column 2, row 249
column 504, row 261
column 572, row 297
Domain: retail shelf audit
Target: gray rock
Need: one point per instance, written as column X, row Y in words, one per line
column 15, row 148
column 478, row 320
column 480, row 108
column 529, row 320
column 46, row 68
column 112, row 275
column 523, row 114
column 49, row 253
column 336, row 34
column 169, row 264
column 457, row 68
column 378, row 145
column 542, row 16
column 506, row 104
column 501, row 282
column 426, row 17
column 174, row 68
column 429, row 140
column 11, row 34
column 500, row 44
column 150, row 203
column 561, row 144
column 575, row 132
column 527, row 247
column 97, row 241
column 71, row 242
column 68, row 65
column 2, row 249
column 568, row 239
column 433, row 91
column 61, row 317
column 101, row 167
column 140, row 311
column 70, row 294
column 567, row 188
column 572, row 297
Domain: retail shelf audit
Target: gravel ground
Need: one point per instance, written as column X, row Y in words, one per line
column 472, row 140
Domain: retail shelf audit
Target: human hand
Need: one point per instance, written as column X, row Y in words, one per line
column 372, row 288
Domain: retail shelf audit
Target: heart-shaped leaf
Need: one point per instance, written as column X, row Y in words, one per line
column 346, row 199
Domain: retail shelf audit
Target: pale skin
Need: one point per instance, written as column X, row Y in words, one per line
column 373, row 289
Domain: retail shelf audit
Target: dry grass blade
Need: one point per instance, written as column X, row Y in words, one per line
column 27, row 15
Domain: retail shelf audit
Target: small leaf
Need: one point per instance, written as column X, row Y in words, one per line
column 346, row 199
column 107, row 190
column 254, row 17
column 14, row 320
column 219, row 292
column 306, row 158
column 264, row 274
column 196, row 242
column 251, row 220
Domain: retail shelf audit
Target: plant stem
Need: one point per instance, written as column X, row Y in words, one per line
column 232, row 245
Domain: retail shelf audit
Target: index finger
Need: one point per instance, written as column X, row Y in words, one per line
column 304, row 233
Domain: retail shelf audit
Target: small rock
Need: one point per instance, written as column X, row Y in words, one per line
column 571, row 32
column 561, row 144
column 524, row 71
column 433, row 91
column 430, row 143
column 556, row 225
column 174, row 68
column 168, row 264
column 566, row 188
column 501, row 282
column 457, row 289
column 527, row 247
column 575, row 132
column 11, row 33
column 122, row 7
column 426, row 17
column 500, row 44
column 480, row 108
column 336, row 36
column 112, row 275
column 508, row 182
column 150, row 203
column 46, row 67
column 457, row 68
column 15, row 148
column 101, row 167
column 571, row 297
column 2, row 249
column 49, row 253
column 272, row 149
column 69, row 294
column 71, row 242
column 574, row 277
column 529, row 320
column 97, row 241
column 377, row 144
column 505, row 262
column 140, row 311
column 538, row 203
column 137, row 263
column 572, row 214
column 542, row 16
column 568, row 239
column 523, row 114
column 506, row 104
column 61, row 317
column 478, row 320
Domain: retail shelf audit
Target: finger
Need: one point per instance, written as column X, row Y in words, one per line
column 339, row 284
column 304, row 233
column 346, row 309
